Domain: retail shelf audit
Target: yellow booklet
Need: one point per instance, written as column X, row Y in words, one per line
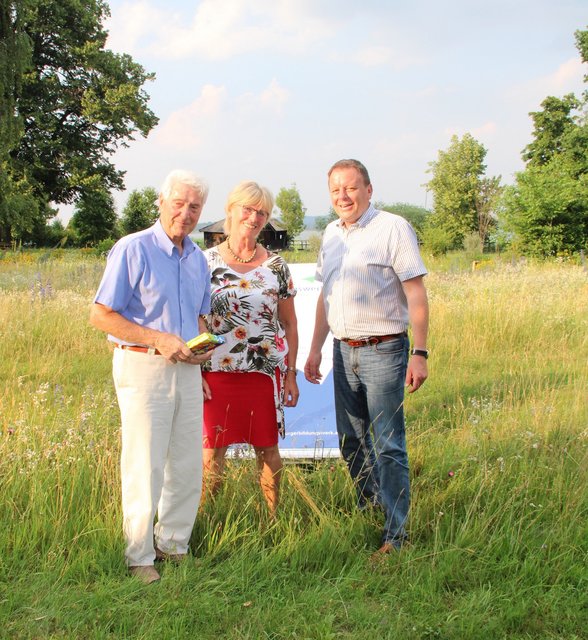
column 204, row 342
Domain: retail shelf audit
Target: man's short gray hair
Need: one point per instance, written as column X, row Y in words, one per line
column 179, row 176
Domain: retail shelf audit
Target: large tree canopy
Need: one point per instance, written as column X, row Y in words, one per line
column 78, row 102
column 18, row 205
column 66, row 105
column 14, row 56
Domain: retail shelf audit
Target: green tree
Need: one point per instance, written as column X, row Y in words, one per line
column 18, row 205
column 141, row 210
column 455, row 186
column 417, row 216
column 488, row 201
column 14, row 56
column 78, row 101
column 552, row 129
column 292, row 210
column 547, row 207
column 20, row 209
column 94, row 218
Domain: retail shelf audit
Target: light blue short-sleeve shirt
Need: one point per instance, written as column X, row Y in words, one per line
column 148, row 282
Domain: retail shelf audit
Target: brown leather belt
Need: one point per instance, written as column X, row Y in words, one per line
column 128, row 347
column 363, row 342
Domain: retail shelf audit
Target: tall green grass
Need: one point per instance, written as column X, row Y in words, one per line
column 497, row 439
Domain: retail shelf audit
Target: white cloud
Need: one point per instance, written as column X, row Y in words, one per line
column 354, row 98
column 374, row 56
column 197, row 123
column 482, row 133
column 187, row 127
column 132, row 24
column 381, row 55
column 485, row 131
column 567, row 78
column 219, row 29
column 271, row 100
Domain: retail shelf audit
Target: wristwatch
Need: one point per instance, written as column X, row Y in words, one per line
column 420, row 352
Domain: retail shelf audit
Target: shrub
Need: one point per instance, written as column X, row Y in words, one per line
column 104, row 246
column 437, row 241
column 472, row 244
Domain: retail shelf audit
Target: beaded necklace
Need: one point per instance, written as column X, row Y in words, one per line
column 237, row 258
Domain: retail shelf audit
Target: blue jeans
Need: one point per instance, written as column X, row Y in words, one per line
column 369, row 397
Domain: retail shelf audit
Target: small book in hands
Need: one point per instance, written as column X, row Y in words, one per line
column 204, row 342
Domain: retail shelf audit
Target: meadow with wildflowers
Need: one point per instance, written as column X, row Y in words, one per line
column 498, row 444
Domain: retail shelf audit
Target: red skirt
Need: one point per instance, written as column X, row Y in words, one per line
column 242, row 409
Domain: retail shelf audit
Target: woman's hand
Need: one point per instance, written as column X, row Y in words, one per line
column 291, row 392
column 206, row 392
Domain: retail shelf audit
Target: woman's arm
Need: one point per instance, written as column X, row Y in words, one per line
column 287, row 317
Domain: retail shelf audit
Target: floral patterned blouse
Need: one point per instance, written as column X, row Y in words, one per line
column 244, row 310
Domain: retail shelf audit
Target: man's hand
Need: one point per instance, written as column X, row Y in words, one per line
column 171, row 347
column 416, row 372
column 312, row 367
column 174, row 349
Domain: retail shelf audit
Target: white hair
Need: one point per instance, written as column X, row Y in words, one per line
column 179, row 176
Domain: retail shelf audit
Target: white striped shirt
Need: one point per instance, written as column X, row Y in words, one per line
column 362, row 268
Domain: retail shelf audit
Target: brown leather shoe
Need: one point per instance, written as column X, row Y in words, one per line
column 164, row 556
column 383, row 553
column 146, row 574
column 387, row 547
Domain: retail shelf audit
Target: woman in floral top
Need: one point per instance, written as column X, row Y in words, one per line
column 252, row 307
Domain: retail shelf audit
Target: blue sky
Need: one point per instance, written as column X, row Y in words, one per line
column 278, row 90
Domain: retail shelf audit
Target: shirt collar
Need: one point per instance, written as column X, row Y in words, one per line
column 362, row 221
column 166, row 245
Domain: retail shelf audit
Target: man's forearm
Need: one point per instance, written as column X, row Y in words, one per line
column 113, row 323
column 418, row 311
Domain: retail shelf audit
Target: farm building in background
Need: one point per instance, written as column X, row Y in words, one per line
column 273, row 237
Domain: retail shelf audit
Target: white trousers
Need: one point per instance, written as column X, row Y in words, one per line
column 161, row 460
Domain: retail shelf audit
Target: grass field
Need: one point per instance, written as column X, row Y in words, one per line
column 498, row 443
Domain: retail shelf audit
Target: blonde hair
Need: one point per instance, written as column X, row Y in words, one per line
column 248, row 194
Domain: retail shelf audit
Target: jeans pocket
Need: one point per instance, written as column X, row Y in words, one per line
column 392, row 347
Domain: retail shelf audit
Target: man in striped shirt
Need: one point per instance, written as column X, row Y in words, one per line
column 372, row 275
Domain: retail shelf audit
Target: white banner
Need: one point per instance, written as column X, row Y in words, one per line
column 311, row 431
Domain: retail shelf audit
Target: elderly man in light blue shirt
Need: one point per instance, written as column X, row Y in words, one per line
column 372, row 276
column 155, row 288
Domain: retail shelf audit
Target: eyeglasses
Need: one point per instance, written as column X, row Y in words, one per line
column 249, row 210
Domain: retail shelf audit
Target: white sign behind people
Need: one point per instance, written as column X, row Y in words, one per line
column 311, row 431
